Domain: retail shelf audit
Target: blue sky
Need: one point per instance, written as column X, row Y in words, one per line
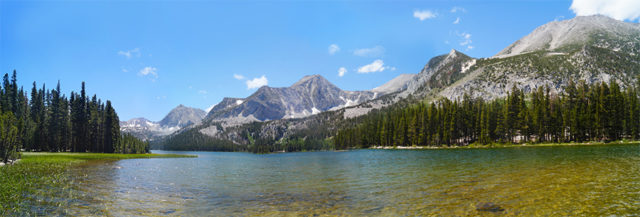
column 147, row 56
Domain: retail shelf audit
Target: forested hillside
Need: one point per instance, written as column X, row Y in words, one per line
column 596, row 112
column 48, row 120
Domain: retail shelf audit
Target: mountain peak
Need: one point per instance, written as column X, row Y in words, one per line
column 180, row 107
column 182, row 116
column 453, row 52
column 310, row 95
column 580, row 30
column 310, row 79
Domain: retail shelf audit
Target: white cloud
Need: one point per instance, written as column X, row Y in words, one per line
column 456, row 21
column 466, row 39
column 424, row 14
column 257, row 82
column 458, row 9
column 125, row 70
column 238, row 77
column 130, row 53
column 375, row 66
column 342, row 71
column 617, row 9
column 203, row 92
column 376, row 51
column 149, row 71
column 333, row 48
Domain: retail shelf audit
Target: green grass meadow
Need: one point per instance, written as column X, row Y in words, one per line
column 40, row 176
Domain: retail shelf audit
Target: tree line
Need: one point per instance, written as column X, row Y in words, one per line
column 193, row 140
column 595, row 112
column 48, row 120
column 316, row 137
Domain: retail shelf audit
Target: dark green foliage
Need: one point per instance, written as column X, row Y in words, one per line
column 598, row 112
column 192, row 140
column 9, row 138
column 129, row 144
column 50, row 121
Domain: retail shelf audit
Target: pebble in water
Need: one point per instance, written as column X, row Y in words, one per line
column 489, row 207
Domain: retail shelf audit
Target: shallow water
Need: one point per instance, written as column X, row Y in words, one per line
column 557, row 181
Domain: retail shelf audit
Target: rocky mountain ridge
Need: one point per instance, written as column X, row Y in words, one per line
column 597, row 30
column 310, row 95
column 178, row 118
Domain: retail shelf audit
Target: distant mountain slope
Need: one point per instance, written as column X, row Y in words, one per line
column 310, row 95
column 178, row 118
column 397, row 84
column 182, row 116
column 226, row 103
column 598, row 30
column 219, row 134
column 593, row 49
column 439, row 72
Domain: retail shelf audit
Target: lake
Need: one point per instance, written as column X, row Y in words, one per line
column 558, row 181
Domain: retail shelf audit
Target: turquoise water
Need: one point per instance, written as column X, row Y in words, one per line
column 570, row 180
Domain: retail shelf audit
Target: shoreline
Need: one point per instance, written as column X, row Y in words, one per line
column 43, row 173
column 475, row 146
column 472, row 146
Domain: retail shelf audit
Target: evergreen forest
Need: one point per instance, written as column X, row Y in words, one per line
column 582, row 112
column 48, row 120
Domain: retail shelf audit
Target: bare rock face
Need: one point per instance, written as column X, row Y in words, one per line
column 440, row 71
column 399, row 83
column 226, row 103
column 598, row 29
column 311, row 95
column 182, row 116
column 592, row 49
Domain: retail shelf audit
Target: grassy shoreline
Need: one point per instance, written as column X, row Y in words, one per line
column 504, row 145
column 41, row 175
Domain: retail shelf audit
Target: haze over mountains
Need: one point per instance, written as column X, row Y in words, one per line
column 591, row 48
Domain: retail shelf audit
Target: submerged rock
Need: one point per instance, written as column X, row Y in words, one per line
column 489, row 207
column 169, row 211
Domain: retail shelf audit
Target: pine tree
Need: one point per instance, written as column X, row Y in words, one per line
column 9, row 140
column 111, row 130
column 6, row 100
column 485, row 135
